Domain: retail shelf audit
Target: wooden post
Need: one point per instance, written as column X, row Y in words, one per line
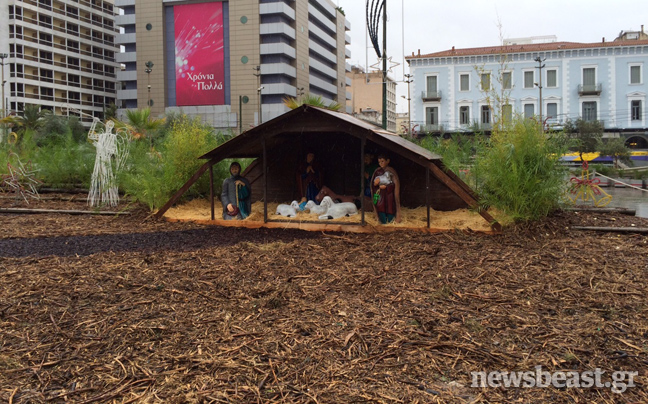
column 362, row 179
column 265, row 182
column 211, row 190
column 427, row 194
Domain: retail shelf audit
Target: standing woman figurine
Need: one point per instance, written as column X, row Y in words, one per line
column 385, row 187
column 309, row 178
column 237, row 195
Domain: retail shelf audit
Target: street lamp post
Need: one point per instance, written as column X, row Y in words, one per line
column 148, row 70
column 539, row 84
column 257, row 69
column 3, row 56
column 409, row 114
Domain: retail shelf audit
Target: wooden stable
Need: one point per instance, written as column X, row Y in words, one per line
column 339, row 142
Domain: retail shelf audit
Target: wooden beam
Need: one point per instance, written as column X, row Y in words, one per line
column 613, row 229
column 465, row 196
column 183, row 189
column 63, row 211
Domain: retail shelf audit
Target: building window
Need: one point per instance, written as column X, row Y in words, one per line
column 485, row 114
column 432, row 116
column 431, row 82
column 464, row 115
column 507, row 81
column 485, row 82
column 528, row 111
column 552, row 110
column 635, row 110
column 528, row 79
column 635, row 74
column 507, row 112
column 589, row 111
column 464, row 80
column 552, row 78
column 589, row 76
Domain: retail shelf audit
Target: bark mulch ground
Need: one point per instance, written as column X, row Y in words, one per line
column 123, row 309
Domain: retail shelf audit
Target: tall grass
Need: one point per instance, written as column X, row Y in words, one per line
column 457, row 153
column 58, row 160
column 519, row 171
column 65, row 162
column 153, row 176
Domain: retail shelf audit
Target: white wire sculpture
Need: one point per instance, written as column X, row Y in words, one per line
column 112, row 152
column 21, row 179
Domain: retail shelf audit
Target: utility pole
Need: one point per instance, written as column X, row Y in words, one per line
column 409, row 114
column 257, row 69
column 148, row 70
column 539, row 84
column 3, row 56
column 384, row 75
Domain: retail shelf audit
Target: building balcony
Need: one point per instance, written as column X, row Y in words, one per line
column 277, row 8
column 431, row 128
column 322, row 68
column 323, row 36
column 123, row 39
column 327, row 8
column 278, row 68
column 590, row 89
column 431, row 95
column 126, row 94
column 125, row 19
column 278, row 49
column 126, row 57
column 319, row 83
column 275, row 28
column 485, row 126
column 279, row 89
column 321, row 51
column 325, row 21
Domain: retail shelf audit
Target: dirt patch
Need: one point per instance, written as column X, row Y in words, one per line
column 176, row 312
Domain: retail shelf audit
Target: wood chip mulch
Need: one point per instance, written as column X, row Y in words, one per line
column 126, row 309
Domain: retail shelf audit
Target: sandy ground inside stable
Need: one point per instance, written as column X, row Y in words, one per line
column 199, row 209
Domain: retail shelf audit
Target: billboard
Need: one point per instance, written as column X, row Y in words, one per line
column 199, row 54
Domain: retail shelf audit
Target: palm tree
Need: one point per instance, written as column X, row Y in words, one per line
column 314, row 100
column 140, row 124
column 32, row 117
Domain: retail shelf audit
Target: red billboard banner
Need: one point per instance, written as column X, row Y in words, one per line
column 199, row 54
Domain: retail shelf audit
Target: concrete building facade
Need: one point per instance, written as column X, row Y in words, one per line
column 60, row 55
column 603, row 81
column 366, row 96
column 263, row 50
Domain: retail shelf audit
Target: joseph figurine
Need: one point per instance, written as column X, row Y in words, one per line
column 237, row 195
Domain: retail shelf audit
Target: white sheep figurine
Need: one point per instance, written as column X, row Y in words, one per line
column 338, row 210
column 385, row 179
column 288, row 210
column 321, row 208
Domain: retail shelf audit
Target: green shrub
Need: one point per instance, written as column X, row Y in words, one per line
column 519, row 171
column 601, row 169
column 64, row 162
column 457, row 153
column 152, row 177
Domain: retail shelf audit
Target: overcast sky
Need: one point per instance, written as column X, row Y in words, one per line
column 436, row 25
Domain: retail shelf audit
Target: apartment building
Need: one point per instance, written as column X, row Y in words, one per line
column 366, row 96
column 231, row 63
column 603, row 81
column 60, row 54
